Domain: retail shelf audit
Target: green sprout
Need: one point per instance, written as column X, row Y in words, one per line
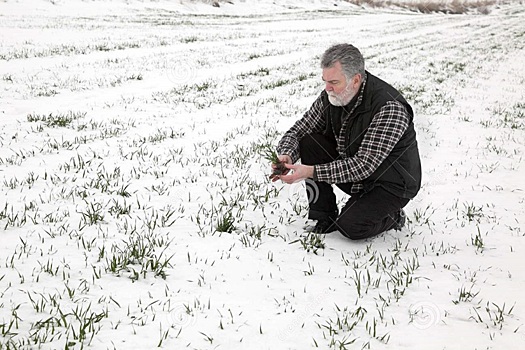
column 270, row 155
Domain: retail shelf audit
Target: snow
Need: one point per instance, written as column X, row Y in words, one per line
column 109, row 218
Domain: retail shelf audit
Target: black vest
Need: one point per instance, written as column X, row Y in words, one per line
column 400, row 173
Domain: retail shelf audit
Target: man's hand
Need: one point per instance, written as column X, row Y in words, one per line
column 299, row 172
column 285, row 159
column 280, row 169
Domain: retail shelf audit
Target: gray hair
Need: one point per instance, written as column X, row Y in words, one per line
column 349, row 56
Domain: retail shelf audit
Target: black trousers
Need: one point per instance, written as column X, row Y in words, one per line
column 365, row 214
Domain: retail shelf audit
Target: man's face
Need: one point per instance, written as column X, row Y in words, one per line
column 340, row 92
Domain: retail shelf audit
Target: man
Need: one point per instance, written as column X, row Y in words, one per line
column 358, row 135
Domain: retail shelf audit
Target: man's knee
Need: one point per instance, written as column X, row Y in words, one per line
column 306, row 141
column 316, row 149
column 355, row 228
column 307, row 148
column 355, row 231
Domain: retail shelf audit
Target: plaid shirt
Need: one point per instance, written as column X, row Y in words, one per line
column 385, row 130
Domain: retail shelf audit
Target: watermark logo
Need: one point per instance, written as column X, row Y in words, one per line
column 182, row 316
column 424, row 315
column 180, row 71
column 304, row 188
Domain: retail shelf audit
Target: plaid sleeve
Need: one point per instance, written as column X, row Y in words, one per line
column 385, row 130
column 312, row 122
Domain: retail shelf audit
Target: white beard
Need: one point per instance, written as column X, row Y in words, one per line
column 341, row 99
column 334, row 100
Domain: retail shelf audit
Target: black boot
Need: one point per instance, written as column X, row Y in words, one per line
column 326, row 225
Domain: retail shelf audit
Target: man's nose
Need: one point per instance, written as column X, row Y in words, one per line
column 328, row 87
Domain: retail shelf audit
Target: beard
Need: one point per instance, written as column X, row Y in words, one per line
column 343, row 98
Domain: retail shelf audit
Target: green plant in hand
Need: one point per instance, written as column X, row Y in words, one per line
column 271, row 156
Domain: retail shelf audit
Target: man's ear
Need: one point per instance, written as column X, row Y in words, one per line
column 356, row 80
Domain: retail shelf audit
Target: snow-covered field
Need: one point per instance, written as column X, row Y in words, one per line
column 135, row 208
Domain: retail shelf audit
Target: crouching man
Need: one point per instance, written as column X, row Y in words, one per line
column 357, row 135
